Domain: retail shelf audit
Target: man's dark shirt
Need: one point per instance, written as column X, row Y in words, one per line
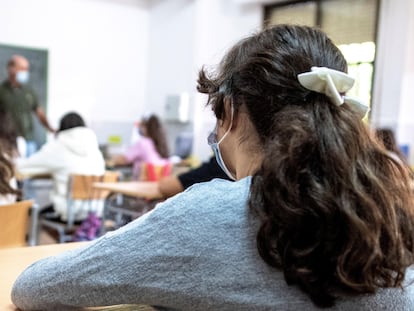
column 19, row 102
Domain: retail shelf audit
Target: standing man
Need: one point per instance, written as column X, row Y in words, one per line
column 19, row 101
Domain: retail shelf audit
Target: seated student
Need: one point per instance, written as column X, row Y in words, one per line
column 171, row 185
column 387, row 138
column 74, row 151
column 319, row 214
column 150, row 148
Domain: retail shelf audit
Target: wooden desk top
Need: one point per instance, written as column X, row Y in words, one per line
column 32, row 175
column 14, row 260
column 140, row 189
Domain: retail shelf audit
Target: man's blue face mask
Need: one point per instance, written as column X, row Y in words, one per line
column 22, row 76
column 214, row 144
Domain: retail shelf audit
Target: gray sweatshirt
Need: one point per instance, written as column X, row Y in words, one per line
column 195, row 251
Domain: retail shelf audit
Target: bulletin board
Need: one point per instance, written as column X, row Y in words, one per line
column 38, row 59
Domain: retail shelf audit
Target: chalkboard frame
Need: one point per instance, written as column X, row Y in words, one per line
column 38, row 59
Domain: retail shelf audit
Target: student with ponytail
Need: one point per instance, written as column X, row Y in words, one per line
column 319, row 215
column 151, row 147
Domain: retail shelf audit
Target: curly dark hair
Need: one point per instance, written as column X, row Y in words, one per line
column 6, row 174
column 8, row 151
column 156, row 132
column 70, row 120
column 8, row 135
column 336, row 210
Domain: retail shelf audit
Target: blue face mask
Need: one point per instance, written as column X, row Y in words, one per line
column 214, row 144
column 22, row 76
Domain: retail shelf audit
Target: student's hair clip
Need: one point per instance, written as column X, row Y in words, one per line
column 332, row 83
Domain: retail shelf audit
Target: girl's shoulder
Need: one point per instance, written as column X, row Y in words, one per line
column 215, row 196
column 145, row 141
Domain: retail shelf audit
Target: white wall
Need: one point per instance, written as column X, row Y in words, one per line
column 171, row 49
column 219, row 25
column 390, row 60
column 184, row 35
column 98, row 53
column 171, row 44
column 394, row 71
column 406, row 117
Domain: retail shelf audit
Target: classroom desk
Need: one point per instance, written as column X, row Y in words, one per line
column 145, row 195
column 126, row 172
column 140, row 189
column 32, row 175
column 14, row 260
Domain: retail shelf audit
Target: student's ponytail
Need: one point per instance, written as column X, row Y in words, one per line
column 333, row 204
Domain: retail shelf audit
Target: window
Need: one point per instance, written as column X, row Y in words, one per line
column 351, row 24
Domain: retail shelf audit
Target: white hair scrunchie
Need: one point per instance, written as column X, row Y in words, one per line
column 331, row 83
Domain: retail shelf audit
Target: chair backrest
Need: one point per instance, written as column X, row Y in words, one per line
column 13, row 223
column 153, row 172
column 81, row 186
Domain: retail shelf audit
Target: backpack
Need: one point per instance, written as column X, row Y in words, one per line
column 89, row 229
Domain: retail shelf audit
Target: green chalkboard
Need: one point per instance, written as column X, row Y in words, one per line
column 38, row 59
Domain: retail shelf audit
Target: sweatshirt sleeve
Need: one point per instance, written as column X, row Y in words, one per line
column 140, row 263
column 135, row 152
column 164, row 258
column 46, row 160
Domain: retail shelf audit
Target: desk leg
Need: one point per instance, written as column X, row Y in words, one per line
column 34, row 224
column 112, row 198
column 112, row 201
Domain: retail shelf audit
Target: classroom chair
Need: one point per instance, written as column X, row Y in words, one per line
column 14, row 219
column 80, row 191
column 154, row 172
